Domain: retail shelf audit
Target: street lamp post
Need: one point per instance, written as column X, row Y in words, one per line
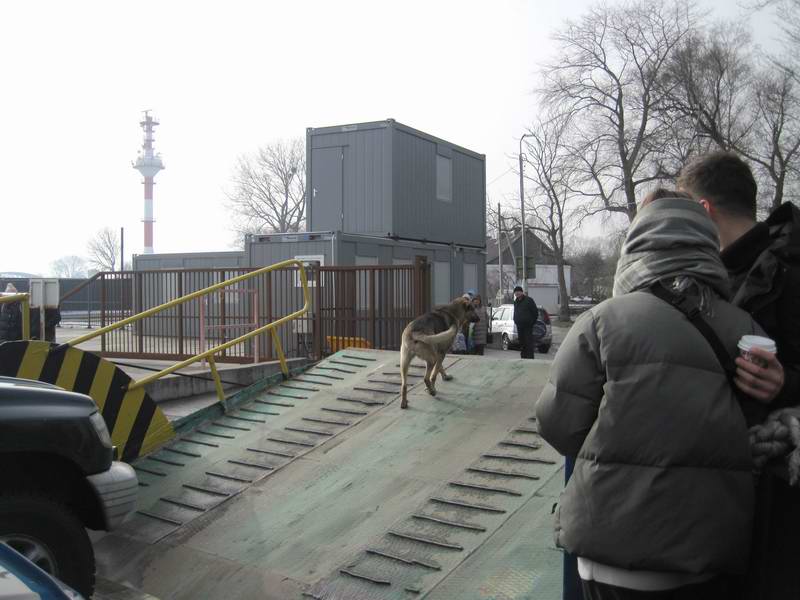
column 522, row 215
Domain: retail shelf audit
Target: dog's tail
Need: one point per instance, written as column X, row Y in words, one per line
column 436, row 339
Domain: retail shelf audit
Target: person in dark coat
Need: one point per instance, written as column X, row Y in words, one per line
column 763, row 263
column 10, row 318
column 526, row 313
column 660, row 502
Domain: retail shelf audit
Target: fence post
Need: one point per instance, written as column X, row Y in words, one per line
column 222, row 313
column 269, row 311
column 256, row 340
column 102, row 310
column 139, row 308
column 372, row 339
column 417, row 295
column 180, row 314
column 317, row 311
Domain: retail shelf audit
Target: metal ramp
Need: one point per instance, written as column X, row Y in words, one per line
column 247, row 444
column 321, row 487
column 422, row 548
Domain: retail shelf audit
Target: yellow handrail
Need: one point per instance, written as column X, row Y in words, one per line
column 25, row 299
column 208, row 354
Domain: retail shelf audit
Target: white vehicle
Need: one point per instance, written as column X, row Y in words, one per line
column 502, row 324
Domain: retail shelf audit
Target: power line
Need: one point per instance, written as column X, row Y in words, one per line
column 506, row 172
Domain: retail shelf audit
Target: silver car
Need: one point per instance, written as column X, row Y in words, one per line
column 502, row 324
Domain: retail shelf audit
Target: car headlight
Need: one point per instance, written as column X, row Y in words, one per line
column 100, row 427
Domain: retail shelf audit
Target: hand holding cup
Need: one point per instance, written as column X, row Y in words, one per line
column 759, row 374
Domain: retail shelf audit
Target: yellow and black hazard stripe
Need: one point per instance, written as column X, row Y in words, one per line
column 136, row 423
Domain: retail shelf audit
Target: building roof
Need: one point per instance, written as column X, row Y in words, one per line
column 541, row 253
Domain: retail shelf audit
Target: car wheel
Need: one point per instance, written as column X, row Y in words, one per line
column 49, row 535
column 544, row 348
column 505, row 342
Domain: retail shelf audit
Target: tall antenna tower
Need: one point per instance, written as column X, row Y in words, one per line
column 148, row 163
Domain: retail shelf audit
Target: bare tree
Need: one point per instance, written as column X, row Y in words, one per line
column 707, row 85
column 775, row 147
column 717, row 90
column 594, row 263
column 607, row 71
column 69, row 267
column 552, row 170
column 501, row 221
column 269, row 189
column 103, row 250
column 787, row 14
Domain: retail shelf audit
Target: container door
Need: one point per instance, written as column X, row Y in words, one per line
column 326, row 192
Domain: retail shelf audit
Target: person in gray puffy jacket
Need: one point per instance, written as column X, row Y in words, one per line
column 660, row 502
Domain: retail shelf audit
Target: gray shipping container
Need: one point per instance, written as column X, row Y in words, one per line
column 189, row 260
column 387, row 179
column 454, row 269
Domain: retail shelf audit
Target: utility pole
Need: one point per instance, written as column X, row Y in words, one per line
column 522, row 215
column 121, row 248
column 500, row 251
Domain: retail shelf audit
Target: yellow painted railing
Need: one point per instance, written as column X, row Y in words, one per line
column 25, row 300
column 209, row 354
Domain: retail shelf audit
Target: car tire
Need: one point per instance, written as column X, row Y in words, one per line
column 544, row 348
column 505, row 342
column 36, row 525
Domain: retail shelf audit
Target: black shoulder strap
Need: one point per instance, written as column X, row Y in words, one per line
column 689, row 307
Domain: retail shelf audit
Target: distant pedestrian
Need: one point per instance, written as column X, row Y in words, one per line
column 10, row 318
column 480, row 328
column 526, row 313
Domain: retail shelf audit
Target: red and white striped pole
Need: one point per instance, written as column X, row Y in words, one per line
column 148, row 164
column 148, row 215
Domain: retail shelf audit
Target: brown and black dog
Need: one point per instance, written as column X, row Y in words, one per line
column 430, row 336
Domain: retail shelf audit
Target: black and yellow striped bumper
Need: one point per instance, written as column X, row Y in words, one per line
column 136, row 423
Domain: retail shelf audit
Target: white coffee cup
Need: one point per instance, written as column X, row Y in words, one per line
column 748, row 342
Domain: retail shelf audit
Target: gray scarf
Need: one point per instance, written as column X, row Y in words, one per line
column 674, row 239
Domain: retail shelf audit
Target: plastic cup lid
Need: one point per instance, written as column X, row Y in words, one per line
column 756, row 341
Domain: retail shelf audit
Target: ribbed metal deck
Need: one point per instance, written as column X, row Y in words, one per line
column 322, row 487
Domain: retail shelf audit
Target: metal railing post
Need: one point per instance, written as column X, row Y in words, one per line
column 26, row 317
column 217, row 382
column 279, row 349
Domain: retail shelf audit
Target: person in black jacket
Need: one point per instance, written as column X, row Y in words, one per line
column 10, row 318
column 526, row 314
column 763, row 263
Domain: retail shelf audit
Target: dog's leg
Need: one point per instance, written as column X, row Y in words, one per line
column 440, row 367
column 429, row 374
column 405, row 360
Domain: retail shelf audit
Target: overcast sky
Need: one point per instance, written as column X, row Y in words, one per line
column 226, row 77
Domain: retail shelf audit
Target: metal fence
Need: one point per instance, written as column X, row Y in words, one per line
column 363, row 305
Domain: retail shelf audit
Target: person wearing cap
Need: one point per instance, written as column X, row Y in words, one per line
column 526, row 313
column 661, row 500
